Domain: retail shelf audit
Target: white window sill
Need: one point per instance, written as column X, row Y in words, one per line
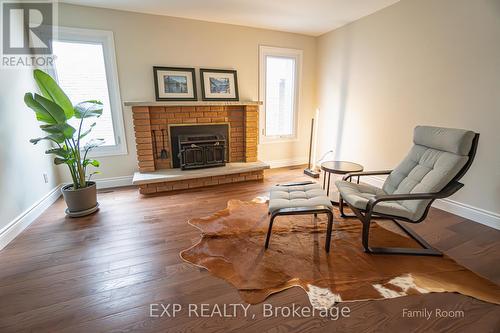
column 108, row 151
column 265, row 141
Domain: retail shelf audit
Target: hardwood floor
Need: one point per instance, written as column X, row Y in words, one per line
column 101, row 273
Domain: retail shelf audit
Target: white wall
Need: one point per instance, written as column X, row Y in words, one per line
column 415, row 62
column 21, row 164
column 143, row 41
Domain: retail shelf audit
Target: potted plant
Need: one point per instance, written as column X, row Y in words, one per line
column 53, row 110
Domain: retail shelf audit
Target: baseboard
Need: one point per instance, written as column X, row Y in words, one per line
column 21, row 222
column 475, row 214
column 287, row 162
column 114, row 182
column 375, row 181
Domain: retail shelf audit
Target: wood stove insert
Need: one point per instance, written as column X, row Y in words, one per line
column 197, row 146
column 202, row 151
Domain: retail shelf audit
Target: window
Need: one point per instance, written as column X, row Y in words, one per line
column 85, row 69
column 279, row 87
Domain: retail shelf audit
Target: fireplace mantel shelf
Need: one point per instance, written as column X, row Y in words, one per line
column 190, row 103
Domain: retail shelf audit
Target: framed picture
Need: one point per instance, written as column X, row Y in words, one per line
column 219, row 85
column 174, row 84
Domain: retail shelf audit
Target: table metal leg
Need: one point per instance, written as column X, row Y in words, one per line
column 324, row 179
column 328, row 186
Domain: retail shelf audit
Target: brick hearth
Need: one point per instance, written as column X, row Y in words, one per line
column 242, row 119
column 200, row 182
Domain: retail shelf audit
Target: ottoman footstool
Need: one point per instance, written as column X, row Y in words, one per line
column 299, row 199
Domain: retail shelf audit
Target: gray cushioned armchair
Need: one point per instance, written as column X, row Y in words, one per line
column 431, row 170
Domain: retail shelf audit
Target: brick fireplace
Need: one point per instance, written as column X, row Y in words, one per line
column 153, row 123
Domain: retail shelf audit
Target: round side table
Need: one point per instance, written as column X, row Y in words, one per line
column 338, row 168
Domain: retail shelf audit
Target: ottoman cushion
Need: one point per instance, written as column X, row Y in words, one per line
column 309, row 195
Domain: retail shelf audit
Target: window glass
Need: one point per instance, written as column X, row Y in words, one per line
column 81, row 73
column 280, row 96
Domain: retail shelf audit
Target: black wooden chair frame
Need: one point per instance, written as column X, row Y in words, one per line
column 366, row 215
column 315, row 210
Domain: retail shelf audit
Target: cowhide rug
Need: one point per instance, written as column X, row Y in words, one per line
column 232, row 248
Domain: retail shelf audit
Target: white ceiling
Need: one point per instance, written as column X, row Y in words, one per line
column 310, row 17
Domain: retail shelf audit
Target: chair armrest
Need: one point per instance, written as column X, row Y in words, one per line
column 447, row 191
column 306, row 182
column 348, row 176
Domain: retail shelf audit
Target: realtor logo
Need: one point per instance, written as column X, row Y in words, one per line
column 27, row 32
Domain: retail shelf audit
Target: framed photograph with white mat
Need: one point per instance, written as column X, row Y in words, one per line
column 219, row 85
column 174, row 84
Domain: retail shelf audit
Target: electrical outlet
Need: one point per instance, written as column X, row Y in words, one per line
column 46, row 178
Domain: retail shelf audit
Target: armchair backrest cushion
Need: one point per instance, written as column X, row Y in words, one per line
column 452, row 140
column 438, row 154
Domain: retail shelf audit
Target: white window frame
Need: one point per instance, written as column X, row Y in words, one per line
column 66, row 34
column 296, row 54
